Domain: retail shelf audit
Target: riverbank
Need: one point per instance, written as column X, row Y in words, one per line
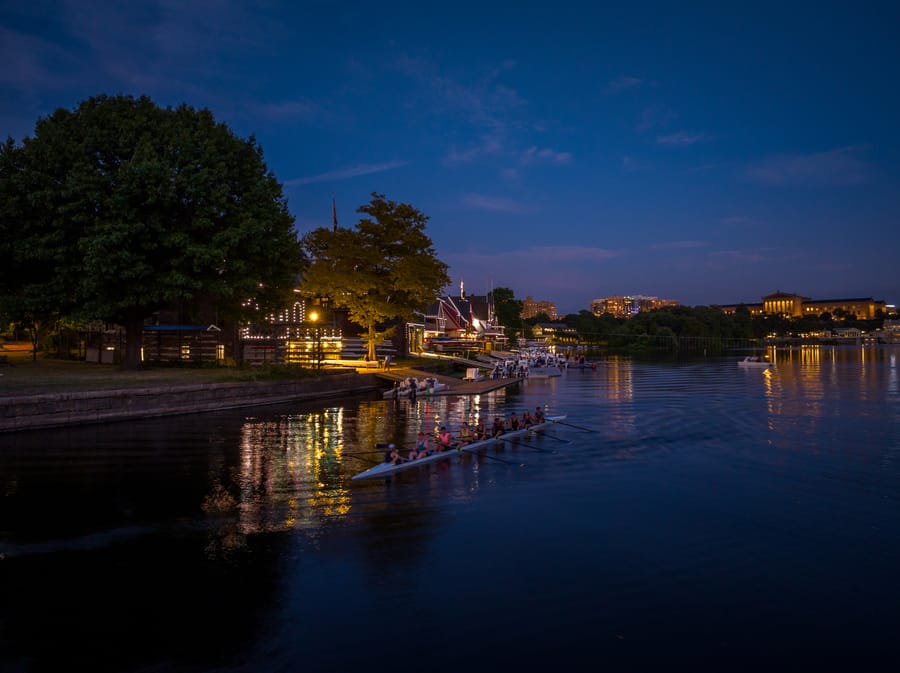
column 32, row 412
column 46, row 393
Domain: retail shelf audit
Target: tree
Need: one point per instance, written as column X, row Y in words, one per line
column 539, row 318
column 382, row 271
column 119, row 208
column 507, row 308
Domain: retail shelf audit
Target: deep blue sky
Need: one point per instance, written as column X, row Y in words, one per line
column 691, row 151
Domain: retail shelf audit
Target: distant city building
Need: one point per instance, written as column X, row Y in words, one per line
column 531, row 308
column 628, row 306
column 795, row 306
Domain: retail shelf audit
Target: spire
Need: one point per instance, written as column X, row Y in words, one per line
column 462, row 289
column 333, row 214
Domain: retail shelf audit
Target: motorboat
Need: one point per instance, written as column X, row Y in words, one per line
column 755, row 361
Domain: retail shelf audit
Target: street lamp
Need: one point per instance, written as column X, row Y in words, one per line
column 318, row 353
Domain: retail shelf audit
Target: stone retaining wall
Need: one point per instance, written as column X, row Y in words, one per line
column 49, row 411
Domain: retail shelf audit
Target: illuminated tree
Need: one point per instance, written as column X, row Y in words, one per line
column 383, row 270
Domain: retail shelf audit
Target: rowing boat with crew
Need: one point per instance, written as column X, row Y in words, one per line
column 387, row 469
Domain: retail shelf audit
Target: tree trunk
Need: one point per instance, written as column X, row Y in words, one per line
column 372, row 355
column 134, row 337
column 35, row 340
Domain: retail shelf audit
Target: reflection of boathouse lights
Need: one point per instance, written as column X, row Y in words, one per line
column 318, row 352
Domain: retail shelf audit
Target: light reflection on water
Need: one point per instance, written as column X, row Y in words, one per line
column 712, row 513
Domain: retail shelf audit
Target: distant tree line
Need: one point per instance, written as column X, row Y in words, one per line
column 686, row 328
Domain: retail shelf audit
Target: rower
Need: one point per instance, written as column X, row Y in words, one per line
column 527, row 421
column 538, row 414
column 465, row 434
column 393, row 456
column 444, row 441
column 498, row 428
column 422, row 447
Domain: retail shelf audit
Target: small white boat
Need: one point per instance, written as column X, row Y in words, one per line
column 755, row 361
column 426, row 386
column 387, row 469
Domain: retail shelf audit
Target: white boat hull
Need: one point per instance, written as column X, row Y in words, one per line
column 387, row 469
column 420, row 392
column 755, row 364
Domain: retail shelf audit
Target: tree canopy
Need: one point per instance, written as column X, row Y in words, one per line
column 507, row 308
column 118, row 208
column 383, row 270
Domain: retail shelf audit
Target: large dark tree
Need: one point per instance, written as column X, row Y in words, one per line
column 119, row 208
column 383, row 270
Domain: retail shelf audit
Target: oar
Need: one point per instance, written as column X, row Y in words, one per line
column 487, row 455
column 364, row 460
column 579, row 427
column 558, row 439
column 508, row 462
column 529, row 446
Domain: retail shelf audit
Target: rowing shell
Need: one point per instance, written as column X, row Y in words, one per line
column 387, row 469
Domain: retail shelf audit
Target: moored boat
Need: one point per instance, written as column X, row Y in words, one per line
column 755, row 361
column 387, row 469
column 404, row 388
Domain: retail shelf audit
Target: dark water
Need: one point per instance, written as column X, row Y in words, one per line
column 715, row 519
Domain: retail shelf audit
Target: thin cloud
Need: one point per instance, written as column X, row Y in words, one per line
column 533, row 154
column 680, row 245
column 632, row 165
column 488, row 146
column 287, row 110
column 623, row 84
column 528, row 258
column 681, row 139
column 566, row 270
column 840, row 166
column 495, row 204
column 346, row 173
column 737, row 220
column 753, row 255
column 655, row 116
column 28, row 62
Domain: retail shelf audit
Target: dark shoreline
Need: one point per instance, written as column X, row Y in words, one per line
column 55, row 410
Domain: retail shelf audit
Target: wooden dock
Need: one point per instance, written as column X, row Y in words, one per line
column 455, row 386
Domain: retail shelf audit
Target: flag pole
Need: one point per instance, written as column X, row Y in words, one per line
column 333, row 214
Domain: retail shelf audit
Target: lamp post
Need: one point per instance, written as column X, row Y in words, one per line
column 318, row 352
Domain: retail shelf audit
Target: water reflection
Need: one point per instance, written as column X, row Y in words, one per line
column 745, row 491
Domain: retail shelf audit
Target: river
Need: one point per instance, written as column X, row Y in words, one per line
column 687, row 515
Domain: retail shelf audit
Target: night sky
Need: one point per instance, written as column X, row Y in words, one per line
column 701, row 152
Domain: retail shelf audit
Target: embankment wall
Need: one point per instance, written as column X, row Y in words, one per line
column 32, row 412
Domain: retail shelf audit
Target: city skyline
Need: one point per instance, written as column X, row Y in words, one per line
column 701, row 153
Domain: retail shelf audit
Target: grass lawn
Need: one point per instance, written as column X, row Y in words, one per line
column 22, row 376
